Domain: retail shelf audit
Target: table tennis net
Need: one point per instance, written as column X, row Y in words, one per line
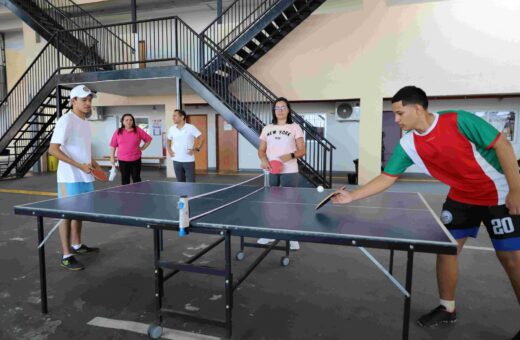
column 221, row 198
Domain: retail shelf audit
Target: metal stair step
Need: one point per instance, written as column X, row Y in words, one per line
column 243, row 54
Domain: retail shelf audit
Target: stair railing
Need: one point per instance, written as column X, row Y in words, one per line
column 235, row 20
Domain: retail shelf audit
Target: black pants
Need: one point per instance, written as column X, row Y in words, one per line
column 130, row 169
column 184, row 171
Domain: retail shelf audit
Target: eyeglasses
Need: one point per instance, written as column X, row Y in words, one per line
column 280, row 108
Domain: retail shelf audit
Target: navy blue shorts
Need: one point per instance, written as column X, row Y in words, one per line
column 464, row 220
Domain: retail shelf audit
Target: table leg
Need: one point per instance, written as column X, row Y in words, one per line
column 391, row 265
column 228, row 283
column 408, row 300
column 43, row 274
column 158, row 275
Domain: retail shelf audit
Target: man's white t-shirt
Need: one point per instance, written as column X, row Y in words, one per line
column 75, row 139
column 183, row 139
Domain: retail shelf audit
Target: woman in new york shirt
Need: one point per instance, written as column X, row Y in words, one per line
column 283, row 141
column 127, row 140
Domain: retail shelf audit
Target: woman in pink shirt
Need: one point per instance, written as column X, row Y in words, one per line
column 282, row 140
column 127, row 139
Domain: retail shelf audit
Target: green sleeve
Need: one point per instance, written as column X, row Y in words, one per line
column 399, row 162
column 476, row 129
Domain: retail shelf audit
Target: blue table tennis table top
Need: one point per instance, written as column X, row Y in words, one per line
column 388, row 220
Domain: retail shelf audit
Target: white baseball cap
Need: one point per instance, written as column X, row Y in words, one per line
column 81, row 91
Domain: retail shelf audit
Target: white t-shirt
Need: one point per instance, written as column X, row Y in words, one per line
column 75, row 139
column 281, row 140
column 182, row 140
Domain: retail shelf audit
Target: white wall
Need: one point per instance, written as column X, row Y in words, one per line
column 103, row 130
column 344, row 135
column 247, row 155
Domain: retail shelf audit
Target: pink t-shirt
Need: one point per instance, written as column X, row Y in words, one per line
column 281, row 140
column 127, row 144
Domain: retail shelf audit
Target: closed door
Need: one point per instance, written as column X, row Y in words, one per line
column 227, row 146
column 391, row 135
column 201, row 157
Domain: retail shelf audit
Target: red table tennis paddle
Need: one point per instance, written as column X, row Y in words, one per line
column 276, row 166
column 99, row 174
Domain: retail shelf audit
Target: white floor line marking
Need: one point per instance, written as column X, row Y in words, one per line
column 479, row 248
column 142, row 328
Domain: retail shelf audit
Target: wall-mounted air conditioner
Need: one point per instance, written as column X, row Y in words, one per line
column 347, row 111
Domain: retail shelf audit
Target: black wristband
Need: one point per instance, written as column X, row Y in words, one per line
column 292, row 155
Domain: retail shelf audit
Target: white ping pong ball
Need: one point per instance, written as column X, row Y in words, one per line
column 319, row 188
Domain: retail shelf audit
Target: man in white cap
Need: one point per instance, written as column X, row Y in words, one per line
column 71, row 145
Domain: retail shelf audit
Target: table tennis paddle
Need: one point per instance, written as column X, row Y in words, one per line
column 99, row 174
column 276, row 166
column 326, row 199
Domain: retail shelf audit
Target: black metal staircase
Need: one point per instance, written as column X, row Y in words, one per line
column 248, row 29
column 218, row 78
column 28, row 112
column 30, row 103
column 47, row 17
column 32, row 141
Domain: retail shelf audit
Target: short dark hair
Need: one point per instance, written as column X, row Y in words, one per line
column 181, row 112
column 289, row 115
column 411, row 95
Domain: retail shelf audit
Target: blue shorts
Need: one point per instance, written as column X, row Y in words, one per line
column 463, row 220
column 72, row 189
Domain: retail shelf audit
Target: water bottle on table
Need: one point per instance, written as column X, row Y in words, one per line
column 184, row 215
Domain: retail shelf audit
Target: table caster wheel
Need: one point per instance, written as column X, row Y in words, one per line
column 154, row 331
column 240, row 256
column 285, row 261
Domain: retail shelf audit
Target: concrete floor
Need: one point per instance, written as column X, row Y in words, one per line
column 327, row 292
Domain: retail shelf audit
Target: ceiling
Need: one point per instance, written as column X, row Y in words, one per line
column 138, row 87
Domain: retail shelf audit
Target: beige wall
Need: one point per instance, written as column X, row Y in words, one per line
column 16, row 65
column 370, row 49
column 19, row 58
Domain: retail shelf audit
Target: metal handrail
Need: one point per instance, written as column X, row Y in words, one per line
column 27, row 71
column 239, row 19
column 256, row 83
column 94, row 22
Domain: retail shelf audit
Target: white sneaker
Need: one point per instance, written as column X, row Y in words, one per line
column 294, row 245
column 264, row 240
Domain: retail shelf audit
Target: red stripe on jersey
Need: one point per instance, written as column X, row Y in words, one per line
column 390, row 175
column 494, row 142
column 448, row 156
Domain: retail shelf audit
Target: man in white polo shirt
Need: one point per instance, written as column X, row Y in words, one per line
column 71, row 145
column 183, row 141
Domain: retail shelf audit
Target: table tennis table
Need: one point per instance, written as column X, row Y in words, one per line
column 394, row 221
